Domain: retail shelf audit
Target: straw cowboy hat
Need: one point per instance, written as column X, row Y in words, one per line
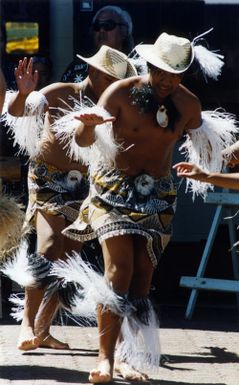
column 170, row 53
column 112, row 62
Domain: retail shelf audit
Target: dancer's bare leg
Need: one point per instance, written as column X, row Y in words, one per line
column 55, row 246
column 50, row 243
column 139, row 288
column 109, row 327
column 43, row 321
column 118, row 258
column 27, row 340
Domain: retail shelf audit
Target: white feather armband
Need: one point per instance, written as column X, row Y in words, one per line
column 104, row 148
column 204, row 145
column 27, row 130
column 65, row 128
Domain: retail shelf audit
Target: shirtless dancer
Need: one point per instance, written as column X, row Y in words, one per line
column 133, row 198
column 53, row 204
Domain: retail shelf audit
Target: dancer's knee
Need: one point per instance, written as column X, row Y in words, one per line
column 119, row 276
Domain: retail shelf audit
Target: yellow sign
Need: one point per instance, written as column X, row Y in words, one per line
column 22, row 38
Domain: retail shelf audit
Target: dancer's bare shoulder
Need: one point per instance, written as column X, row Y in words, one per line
column 118, row 95
column 59, row 94
column 185, row 97
column 188, row 106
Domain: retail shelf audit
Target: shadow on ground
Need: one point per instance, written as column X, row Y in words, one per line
column 26, row 373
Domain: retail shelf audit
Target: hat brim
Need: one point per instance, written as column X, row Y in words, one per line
column 148, row 52
column 131, row 71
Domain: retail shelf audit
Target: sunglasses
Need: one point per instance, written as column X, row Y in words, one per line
column 106, row 25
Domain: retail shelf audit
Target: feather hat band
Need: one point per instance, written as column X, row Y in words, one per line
column 111, row 62
column 175, row 54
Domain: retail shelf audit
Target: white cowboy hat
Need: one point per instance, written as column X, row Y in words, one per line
column 170, row 53
column 112, row 62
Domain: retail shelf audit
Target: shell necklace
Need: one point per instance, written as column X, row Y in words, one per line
column 162, row 116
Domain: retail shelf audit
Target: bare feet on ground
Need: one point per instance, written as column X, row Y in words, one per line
column 52, row 343
column 27, row 340
column 102, row 374
column 129, row 373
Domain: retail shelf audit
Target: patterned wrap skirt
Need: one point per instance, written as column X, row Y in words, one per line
column 119, row 204
column 54, row 191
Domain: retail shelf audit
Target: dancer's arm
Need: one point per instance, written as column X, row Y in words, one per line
column 92, row 117
column 26, row 81
column 85, row 133
column 192, row 171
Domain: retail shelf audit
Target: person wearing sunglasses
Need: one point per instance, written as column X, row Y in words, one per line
column 106, row 25
column 111, row 26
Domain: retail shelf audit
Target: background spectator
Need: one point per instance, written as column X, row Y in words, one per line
column 110, row 26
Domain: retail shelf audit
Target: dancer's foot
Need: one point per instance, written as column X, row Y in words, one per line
column 102, row 374
column 128, row 372
column 52, row 343
column 27, row 340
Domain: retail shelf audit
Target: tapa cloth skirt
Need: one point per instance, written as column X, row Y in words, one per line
column 119, row 204
column 54, row 191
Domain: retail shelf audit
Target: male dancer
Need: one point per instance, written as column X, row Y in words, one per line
column 57, row 184
column 132, row 196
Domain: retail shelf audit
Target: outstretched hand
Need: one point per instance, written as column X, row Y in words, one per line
column 188, row 170
column 26, row 79
column 92, row 119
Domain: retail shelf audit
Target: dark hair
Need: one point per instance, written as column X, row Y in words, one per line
column 44, row 60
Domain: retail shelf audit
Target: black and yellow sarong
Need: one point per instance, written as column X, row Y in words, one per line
column 119, row 204
column 55, row 191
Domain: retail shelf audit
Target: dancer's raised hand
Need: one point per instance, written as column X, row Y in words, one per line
column 26, row 78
